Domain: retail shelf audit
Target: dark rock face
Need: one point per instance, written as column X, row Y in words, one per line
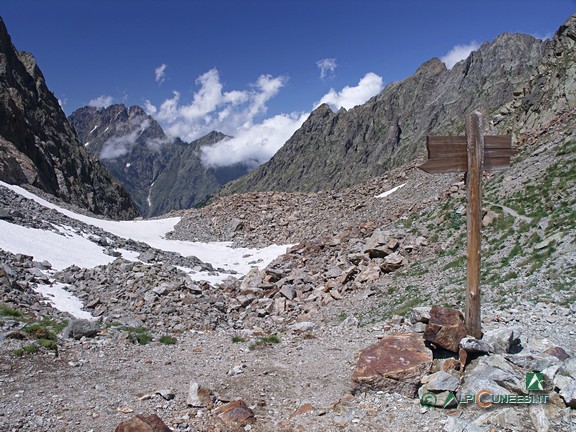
column 337, row 150
column 161, row 173
column 39, row 147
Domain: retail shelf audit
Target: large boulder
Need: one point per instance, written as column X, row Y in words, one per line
column 394, row 364
column 445, row 328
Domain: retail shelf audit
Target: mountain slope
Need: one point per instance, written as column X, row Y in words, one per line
column 38, row 145
column 161, row 173
column 336, row 150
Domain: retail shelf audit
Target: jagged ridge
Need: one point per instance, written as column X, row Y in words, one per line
column 38, row 145
column 336, row 150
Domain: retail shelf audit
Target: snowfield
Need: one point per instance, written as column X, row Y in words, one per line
column 71, row 248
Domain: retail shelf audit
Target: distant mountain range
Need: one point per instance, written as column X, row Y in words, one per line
column 161, row 174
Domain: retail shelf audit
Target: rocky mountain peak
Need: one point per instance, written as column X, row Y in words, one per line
column 39, row 146
column 334, row 151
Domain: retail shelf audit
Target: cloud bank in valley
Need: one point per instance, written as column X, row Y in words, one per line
column 241, row 114
column 458, row 53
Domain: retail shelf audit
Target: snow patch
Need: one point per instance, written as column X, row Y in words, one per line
column 61, row 250
column 93, row 129
column 128, row 165
column 391, row 191
column 62, row 300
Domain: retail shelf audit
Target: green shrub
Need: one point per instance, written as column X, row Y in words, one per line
column 264, row 341
column 5, row 311
column 167, row 340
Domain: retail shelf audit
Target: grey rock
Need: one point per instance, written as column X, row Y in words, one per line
column 198, row 396
column 441, row 381
column 420, row 314
column 502, row 417
column 539, row 418
column 473, row 345
column 78, row 328
column 533, row 362
column 166, row 394
column 418, row 327
column 456, row 424
column 495, row 374
column 303, row 326
column 568, row 368
column 504, row 340
column 443, row 399
column 567, row 387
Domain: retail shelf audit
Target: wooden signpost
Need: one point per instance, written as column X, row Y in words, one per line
column 472, row 154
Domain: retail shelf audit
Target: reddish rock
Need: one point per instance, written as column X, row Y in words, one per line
column 235, row 413
column 303, row 409
column 395, row 364
column 557, row 352
column 142, row 423
column 445, row 328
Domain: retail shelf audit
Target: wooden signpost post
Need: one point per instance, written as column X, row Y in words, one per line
column 472, row 154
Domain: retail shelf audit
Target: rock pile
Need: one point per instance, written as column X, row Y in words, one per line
column 468, row 373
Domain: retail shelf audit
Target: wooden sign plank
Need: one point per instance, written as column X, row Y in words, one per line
column 438, row 166
column 490, row 141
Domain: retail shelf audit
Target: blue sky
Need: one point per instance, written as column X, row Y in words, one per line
column 252, row 69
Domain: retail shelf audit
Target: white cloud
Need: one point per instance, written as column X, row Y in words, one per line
column 459, row 52
column 213, row 109
column 370, row 85
column 149, row 107
column 239, row 113
column 327, row 67
column 120, row 145
column 160, row 73
column 101, row 101
column 547, row 36
column 254, row 144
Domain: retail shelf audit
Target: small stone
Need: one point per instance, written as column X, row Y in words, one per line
column 235, row 413
column 303, row 326
column 420, row 314
column 557, row 352
column 474, row 346
column 142, row 423
column 166, row 394
column 198, row 396
column 303, row 409
column 236, row 370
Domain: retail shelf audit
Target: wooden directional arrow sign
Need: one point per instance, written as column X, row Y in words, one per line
column 449, row 153
column 472, row 154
